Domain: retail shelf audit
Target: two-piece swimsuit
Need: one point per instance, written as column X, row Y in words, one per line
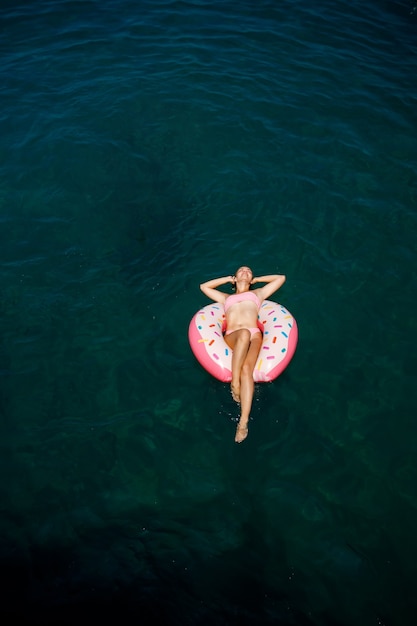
column 242, row 297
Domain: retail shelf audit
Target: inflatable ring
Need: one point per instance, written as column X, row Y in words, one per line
column 280, row 336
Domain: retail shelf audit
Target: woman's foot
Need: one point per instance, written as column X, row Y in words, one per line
column 235, row 390
column 241, row 433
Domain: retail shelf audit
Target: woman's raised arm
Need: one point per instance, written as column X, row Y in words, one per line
column 209, row 288
column 274, row 282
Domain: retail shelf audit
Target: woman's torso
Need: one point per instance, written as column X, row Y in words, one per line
column 242, row 309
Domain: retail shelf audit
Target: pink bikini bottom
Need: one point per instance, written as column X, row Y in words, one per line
column 252, row 331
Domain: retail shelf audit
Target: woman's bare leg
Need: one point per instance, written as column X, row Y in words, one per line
column 240, row 343
column 247, row 386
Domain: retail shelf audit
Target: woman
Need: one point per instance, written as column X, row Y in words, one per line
column 242, row 333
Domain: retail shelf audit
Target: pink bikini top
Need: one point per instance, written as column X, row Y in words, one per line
column 241, row 297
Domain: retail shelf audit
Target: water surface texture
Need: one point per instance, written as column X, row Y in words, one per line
column 147, row 146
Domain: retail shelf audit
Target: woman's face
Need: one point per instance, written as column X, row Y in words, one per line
column 244, row 273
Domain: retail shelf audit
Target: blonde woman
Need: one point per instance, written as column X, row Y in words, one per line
column 242, row 333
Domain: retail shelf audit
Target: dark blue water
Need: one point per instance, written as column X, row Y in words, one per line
column 146, row 147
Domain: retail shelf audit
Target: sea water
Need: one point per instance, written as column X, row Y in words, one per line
column 147, row 147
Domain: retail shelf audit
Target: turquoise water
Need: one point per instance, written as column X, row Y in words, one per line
column 146, row 147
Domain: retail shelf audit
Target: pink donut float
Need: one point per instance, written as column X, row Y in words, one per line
column 280, row 336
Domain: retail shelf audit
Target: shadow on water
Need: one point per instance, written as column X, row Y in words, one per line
column 74, row 584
